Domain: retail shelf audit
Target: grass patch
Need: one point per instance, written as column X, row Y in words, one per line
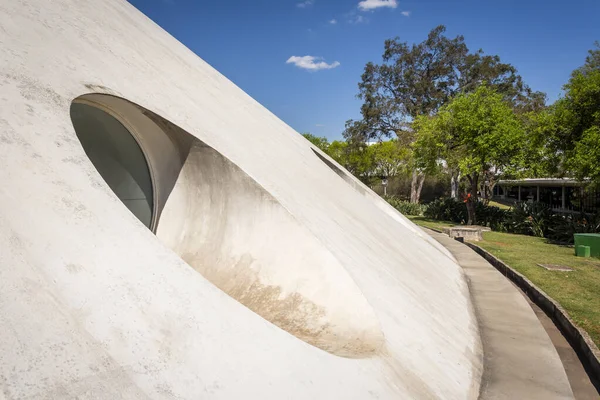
column 501, row 206
column 430, row 223
column 578, row 291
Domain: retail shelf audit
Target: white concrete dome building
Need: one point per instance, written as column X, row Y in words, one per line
column 164, row 236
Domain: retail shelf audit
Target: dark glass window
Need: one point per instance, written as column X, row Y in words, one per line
column 591, row 199
column 528, row 193
column 552, row 196
column 117, row 157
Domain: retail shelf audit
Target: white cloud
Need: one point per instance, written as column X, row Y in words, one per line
column 333, row 21
column 405, row 13
column 305, row 4
column 357, row 19
column 311, row 63
column 367, row 5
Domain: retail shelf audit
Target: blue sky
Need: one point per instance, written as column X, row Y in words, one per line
column 262, row 45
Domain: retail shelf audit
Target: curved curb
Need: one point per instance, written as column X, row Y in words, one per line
column 579, row 339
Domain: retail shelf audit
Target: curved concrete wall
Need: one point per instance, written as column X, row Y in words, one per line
column 241, row 239
column 378, row 201
column 262, row 257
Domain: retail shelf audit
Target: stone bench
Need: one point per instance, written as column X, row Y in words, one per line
column 462, row 232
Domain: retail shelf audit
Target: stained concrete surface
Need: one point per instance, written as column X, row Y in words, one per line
column 94, row 305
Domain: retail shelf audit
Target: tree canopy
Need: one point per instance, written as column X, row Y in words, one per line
column 568, row 132
column 469, row 115
column 415, row 80
column 367, row 162
column 389, row 158
column 320, row 142
column 592, row 61
column 476, row 132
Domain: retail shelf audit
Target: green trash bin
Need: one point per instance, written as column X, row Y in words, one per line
column 591, row 241
column 582, row 251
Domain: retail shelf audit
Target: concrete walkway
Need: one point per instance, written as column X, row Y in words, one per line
column 520, row 361
column 582, row 386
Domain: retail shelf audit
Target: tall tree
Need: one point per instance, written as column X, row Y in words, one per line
column 568, row 132
column 592, row 61
column 416, row 80
column 478, row 132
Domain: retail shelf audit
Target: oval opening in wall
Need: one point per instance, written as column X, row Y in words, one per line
column 226, row 226
column 117, row 156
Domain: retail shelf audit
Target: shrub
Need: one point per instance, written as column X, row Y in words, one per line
column 534, row 219
column 446, row 209
column 449, row 209
column 492, row 216
column 405, row 207
column 530, row 219
column 564, row 226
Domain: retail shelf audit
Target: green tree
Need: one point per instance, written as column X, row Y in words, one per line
column 338, row 150
column 477, row 133
column 365, row 162
column 568, row 132
column 416, row 80
column 355, row 157
column 389, row 158
column 592, row 61
column 321, row 142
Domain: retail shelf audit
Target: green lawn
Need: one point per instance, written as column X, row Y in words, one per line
column 577, row 291
column 502, row 206
column 430, row 223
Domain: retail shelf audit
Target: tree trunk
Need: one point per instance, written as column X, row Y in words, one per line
column 420, row 187
column 413, row 186
column 489, row 190
column 472, row 199
column 486, row 194
column 416, row 185
column 487, row 186
column 454, row 183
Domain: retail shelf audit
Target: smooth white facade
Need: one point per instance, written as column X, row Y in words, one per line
column 269, row 276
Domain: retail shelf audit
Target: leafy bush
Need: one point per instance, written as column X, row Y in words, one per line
column 564, row 226
column 492, row 216
column 534, row 219
column 405, row 207
column 446, row 209
column 530, row 219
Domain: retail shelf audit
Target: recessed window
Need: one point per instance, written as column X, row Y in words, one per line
column 117, row 156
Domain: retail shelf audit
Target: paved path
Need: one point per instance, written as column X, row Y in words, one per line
column 520, row 361
column 582, row 387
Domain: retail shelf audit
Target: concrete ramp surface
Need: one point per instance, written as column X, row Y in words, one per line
column 164, row 236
